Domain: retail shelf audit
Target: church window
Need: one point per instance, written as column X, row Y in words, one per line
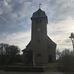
column 38, row 29
column 38, row 55
column 39, row 41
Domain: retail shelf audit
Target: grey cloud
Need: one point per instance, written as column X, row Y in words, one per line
column 15, row 17
column 62, row 9
column 15, row 14
column 12, row 14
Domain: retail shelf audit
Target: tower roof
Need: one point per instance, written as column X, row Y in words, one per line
column 39, row 13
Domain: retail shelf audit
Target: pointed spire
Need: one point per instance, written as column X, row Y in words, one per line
column 39, row 13
column 40, row 5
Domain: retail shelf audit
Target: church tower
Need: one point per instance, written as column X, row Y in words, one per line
column 39, row 23
column 42, row 48
column 39, row 37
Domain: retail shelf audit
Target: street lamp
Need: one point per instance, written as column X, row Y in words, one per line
column 72, row 39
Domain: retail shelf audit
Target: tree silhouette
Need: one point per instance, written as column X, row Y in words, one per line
column 11, row 54
column 12, row 50
column 66, row 61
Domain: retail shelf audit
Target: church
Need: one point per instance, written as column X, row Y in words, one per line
column 41, row 49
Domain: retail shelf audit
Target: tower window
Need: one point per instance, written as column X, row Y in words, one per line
column 38, row 55
column 39, row 41
column 38, row 29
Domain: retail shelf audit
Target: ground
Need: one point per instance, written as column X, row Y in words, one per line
column 4, row 72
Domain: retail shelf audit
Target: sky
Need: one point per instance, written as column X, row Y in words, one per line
column 15, row 21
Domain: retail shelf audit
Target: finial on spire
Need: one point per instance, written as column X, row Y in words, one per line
column 40, row 5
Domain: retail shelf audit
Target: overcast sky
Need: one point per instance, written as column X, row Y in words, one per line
column 15, row 22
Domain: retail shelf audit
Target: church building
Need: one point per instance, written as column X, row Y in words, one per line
column 41, row 49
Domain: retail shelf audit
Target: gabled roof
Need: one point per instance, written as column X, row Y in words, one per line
column 50, row 42
column 29, row 45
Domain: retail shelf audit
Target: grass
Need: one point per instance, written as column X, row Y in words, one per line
column 52, row 67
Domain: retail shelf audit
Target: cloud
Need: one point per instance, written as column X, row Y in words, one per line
column 60, row 35
column 61, row 9
column 12, row 12
column 20, row 39
column 15, row 19
column 61, row 32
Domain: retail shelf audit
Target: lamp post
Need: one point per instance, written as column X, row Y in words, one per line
column 72, row 39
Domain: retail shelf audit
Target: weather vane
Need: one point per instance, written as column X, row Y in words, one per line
column 40, row 5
